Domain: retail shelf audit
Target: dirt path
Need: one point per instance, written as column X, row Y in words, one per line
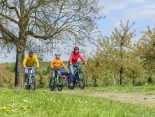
column 148, row 100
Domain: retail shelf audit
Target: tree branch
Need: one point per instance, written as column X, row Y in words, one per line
column 5, row 3
column 7, row 32
column 7, row 17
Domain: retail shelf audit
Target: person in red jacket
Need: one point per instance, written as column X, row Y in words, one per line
column 74, row 56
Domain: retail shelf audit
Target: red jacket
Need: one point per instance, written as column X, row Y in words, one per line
column 74, row 57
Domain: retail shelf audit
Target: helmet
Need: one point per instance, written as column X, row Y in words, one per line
column 76, row 48
column 58, row 53
column 30, row 51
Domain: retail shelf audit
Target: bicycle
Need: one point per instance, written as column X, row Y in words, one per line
column 30, row 82
column 57, row 81
column 80, row 76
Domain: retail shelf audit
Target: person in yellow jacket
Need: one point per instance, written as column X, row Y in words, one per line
column 56, row 63
column 29, row 61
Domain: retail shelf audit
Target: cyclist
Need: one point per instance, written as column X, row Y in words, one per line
column 56, row 63
column 73, row 63
column 29, row 62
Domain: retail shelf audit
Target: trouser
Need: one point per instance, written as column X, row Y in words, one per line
column 54, row 72
column 72, row 74
column 26, row 73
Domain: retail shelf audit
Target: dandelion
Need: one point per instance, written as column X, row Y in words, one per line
column 25, row 108
column 26, row 101
column 7, row 110
column 15, row 110
column 4, row 107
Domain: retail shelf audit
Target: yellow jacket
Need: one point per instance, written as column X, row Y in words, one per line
column 29, row 61
column 57, row 63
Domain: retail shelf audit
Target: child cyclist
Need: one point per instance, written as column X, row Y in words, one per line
column 56, row 63
column 74, row 56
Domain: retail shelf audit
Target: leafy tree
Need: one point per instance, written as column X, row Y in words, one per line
column 52, row 22
column 122, row 42
column 111, row 55
column 146, row 50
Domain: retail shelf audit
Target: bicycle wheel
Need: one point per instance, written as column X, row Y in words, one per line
column 28, row 87
column 52, row 85
column 33, row 84
column 69, row 84
column 81, row 80
column 60, row 83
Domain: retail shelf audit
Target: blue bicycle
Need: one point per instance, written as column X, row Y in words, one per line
column 79, row 75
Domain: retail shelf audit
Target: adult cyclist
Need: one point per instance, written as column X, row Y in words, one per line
column 29, row 61
column 74, row 56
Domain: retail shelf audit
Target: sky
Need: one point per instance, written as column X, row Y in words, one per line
column 142, row 12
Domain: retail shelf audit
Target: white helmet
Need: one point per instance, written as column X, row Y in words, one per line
column 58, row 53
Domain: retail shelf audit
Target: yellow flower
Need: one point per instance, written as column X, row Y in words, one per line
column 25, row 108
column 4, row 107
column 1, row 108
column 7, row 110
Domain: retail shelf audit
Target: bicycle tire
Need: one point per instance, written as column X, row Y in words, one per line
column 28, row 87
column 60, row 84
column 70, row 87
column 81, row 80
column 33, row 85
column 52, row 85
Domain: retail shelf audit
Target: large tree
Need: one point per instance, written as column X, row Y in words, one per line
column 111, row 55
column 53, row 21
column 146, row 50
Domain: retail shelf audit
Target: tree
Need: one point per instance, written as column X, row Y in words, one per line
column 146, row 50
column 111, row 55
column 49, row 21
column 122, row 43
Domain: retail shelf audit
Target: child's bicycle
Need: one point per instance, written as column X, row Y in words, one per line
column 56, row 82
column 79, row 75
column 30, row 82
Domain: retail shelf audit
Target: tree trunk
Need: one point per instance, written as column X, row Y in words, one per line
column 133, row 78
column 95, row 82
column 113, row 77
column 19, row 66
column 121, row 76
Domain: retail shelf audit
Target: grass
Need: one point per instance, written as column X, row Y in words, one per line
column 145, row 90
column 43, row 103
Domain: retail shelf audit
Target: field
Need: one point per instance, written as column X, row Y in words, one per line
column 73, row 103
column 111, row 101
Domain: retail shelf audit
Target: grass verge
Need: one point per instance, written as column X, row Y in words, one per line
column 43, row 103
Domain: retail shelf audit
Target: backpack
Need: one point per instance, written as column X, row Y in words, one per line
column 63, row 71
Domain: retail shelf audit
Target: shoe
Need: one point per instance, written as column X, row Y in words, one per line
column 71, row 84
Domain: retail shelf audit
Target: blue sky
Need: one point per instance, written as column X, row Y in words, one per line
column 142, row 12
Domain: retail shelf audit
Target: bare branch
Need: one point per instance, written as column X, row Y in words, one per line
column 7, row 32
column 10, row 18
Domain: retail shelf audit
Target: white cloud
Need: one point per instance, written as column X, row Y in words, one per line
column 140, row 13
column 110, row 5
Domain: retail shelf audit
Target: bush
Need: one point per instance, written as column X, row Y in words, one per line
column 44, row 72
column 41, row 83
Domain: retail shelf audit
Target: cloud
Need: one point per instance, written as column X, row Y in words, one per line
column 110, row 5
column 140, row 13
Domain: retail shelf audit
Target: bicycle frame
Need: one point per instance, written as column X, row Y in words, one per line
column 30, row 75
column 57, row 74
